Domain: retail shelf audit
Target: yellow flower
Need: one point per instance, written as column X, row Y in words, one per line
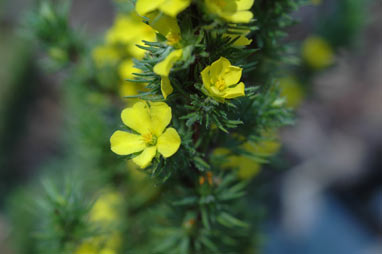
column 126, row 69
column 109, row 244
column 316, row 2
column 167, row 26
column 317, row 53
column 103, row 214
column 247, row 168
column 220, row 80
column 163, row 69
column 169, row 7
column 150, row 122
column 105, row 55
column 127, row 88
column 236, row 11
column 130, row 31
column 292, row 91
column 105, row 208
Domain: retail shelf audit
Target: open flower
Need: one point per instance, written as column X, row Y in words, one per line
column 169, row 7
column 317, row 52
column 220, row 80
column 149, row 120
column 163, row 69
column 236, row 11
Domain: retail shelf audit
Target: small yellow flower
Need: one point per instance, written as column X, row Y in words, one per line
column 129, row 30
column 247, row 168
column 105, row 55
column 169, row 7
column 105, row 209
column 167, row 26
column 150, row 122
column 291, row 89
column 127, row 88
column 126, row 69
column 317, row 53
column 163, row 69
column 236, row 11
column 104, row 214
column 220, row 80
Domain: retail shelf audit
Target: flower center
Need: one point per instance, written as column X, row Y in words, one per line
column 220, row 85
column 149, row 139
column 172, row 38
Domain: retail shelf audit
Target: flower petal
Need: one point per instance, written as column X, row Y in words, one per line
column 166, row 87
column 125, row 143
column 232, row 75
column 126, row 69
column 236, row 91
column 206, row 77
column 164, row 24
column 239, row 17
column 173, row 7
column 168, row 142
column 145, row 6
column 218, row 67
column 160, row 114
column 137, row 117
column 243, row 5
column 163, row 68
column 145, row 158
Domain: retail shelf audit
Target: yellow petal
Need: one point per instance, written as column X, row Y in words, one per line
column 173, row 7
column 145, row 158
column 166, row 87
column 239, row 17
column 206, row 77
column 124, row 143
column 232, row 75
column 137, row 117
column 248, row 168
column 145, row 6
column 168, row 142
column 218, row 67
column 236, row 91
column 163, row 68
column 242, row 41
column 164, row 24
column 243, row 5
column 160, row 117
column 105, row 55
column 126, row 69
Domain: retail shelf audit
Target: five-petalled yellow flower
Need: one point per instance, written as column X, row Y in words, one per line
column 149, row 120
column 220, row 80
